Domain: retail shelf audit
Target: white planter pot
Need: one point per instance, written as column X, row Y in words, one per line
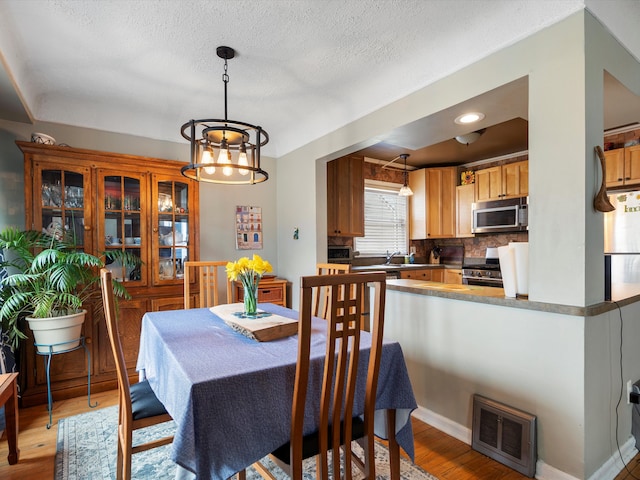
column 63, row 332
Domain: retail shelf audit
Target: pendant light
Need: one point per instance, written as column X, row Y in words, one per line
column 405, row 191
column 236, row 145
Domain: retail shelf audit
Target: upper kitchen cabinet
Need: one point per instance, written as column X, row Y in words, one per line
column 109, row 202
column 503, row 181
column 345, row 197
column 433, row 203
column 623, row 166
column 465, row 196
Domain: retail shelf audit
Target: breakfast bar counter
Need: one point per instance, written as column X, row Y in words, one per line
column 495, row 296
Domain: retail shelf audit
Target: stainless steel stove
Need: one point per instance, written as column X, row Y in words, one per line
column 482, row 274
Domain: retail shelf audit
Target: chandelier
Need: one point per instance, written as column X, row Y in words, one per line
column 223, row 150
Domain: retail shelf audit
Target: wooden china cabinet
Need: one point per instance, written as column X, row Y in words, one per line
column 110, row 201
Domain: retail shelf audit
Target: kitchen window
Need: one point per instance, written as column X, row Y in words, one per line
column 385, row 220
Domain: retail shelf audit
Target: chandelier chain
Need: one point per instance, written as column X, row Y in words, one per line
column 225, row 79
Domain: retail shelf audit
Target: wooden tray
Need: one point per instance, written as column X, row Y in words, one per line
column 262, row 329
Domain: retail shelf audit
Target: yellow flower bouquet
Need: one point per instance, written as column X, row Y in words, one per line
column 249, row 273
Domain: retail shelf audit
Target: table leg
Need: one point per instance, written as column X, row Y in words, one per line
column 9, row 397
column 394, row 449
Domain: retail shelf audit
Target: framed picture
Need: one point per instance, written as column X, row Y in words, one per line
column 248, row 228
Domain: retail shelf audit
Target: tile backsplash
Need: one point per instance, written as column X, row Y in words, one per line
column 474, row 247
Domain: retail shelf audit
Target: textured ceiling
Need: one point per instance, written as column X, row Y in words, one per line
column 303, row 67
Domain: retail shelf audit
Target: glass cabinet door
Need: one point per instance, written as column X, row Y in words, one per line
column 62, row 205
column 171, row 205
column 121, row 226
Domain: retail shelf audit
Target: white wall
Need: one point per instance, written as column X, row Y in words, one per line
column 564, row 369
column 529, row 360
column 217, row 218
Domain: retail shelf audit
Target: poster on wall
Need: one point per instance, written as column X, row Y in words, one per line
column 248, row 228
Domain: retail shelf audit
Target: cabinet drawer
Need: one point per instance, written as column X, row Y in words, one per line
column 270, row 295
column 416, row 274
column 269, row 291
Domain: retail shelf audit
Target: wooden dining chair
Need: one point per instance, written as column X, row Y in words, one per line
column 341, row 364
column 321, row 294
column 204, row 274
column 137, row 404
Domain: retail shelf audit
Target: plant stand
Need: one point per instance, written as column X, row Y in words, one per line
column 49, row 350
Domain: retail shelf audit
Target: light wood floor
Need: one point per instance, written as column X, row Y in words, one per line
column 437, row 453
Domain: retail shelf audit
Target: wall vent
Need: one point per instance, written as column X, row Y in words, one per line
column 504, row 433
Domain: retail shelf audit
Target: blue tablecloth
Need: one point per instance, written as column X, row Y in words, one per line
column 231, row 396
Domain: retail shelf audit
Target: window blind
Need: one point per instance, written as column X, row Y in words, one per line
column 385, row 222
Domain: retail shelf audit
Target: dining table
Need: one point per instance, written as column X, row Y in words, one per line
column 231, row 396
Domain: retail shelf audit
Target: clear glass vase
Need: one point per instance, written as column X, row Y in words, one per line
column 250, row 300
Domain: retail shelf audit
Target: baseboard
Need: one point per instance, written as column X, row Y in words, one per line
column 608, row 471
column 612, row 467
column 443, row 424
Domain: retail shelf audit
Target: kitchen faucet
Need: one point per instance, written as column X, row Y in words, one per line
column 389, row 257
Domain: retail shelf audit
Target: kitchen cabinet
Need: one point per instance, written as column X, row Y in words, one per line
column 623, row 166
column 433, row 203
column 453, row 275
column 270, row 290
column 427, row 274
column 108, row 202
column 465, row 196
column 502, row 181
column 345, row 197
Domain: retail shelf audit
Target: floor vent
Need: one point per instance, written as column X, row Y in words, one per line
column 505, row 434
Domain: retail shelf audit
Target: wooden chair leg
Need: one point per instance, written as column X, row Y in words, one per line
column 394, row 449
column 126, row 453
column 120, row 462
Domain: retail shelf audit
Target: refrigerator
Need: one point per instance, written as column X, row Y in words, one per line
column 622, row 237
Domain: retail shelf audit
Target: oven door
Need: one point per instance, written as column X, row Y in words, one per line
column 482, row 282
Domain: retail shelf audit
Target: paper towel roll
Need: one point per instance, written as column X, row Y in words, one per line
column 508, row 270
column 521, row 256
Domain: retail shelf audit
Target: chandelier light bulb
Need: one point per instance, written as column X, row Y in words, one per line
column 207, row 157
column 225, row 157
column 242, row 160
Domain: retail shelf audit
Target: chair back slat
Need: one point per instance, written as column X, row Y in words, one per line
column 206, row 276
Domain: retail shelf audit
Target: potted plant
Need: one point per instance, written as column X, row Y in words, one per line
column 50, row 280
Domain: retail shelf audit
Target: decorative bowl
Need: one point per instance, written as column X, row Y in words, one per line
column 43, row 139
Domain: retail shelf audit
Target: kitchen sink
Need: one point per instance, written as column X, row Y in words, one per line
column 393, row 266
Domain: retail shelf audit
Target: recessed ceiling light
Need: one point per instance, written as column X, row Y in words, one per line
column 470, row 117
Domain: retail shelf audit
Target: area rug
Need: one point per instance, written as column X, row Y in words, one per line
column 86, row 450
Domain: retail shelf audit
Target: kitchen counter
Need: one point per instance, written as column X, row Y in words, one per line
column 495, row 296
column 394, row 267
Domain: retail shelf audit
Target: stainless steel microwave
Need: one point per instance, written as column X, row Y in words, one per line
column 510, row 215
